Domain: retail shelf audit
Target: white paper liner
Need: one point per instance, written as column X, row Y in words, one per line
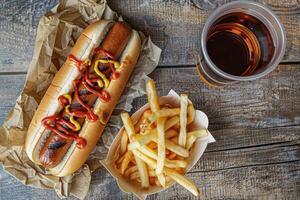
column 129, row 186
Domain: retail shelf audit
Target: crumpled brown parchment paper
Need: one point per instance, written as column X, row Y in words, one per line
column 57, row 32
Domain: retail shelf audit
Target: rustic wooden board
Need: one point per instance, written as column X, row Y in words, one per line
column 256, row 124
column 271, row 139
column 276, row 181
column 18, row 24
column 272, row 101
column 249, row 159
column 175, row 26
column 268, row 102
column 10, row 88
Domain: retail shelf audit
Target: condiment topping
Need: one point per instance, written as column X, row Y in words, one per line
column 68, row 127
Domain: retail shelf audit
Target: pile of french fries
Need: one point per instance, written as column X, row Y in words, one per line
column 154, row 151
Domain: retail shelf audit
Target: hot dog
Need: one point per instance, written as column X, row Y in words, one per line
column 78, row 103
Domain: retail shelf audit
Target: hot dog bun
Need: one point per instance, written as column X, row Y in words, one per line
column 37, row 135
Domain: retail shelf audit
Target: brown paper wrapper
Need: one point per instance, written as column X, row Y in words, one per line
column 57, row 32
column 129, row 186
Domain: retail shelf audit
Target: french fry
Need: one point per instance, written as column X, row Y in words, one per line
column 152, row 180
column 144, row 127
column 124, row 141
column 126, row 161
column 157, row 154
column 190, row 141
column 169, row 145
column 149, row 153
column 167, row 106
column 183, row 181
column 179, row 150
column 175, row 163
column 151, row 162
column 152, row 96
column 168, row 181
column 174, row 139
column 147, row 113
column 138, row 180
column 145, row 124
column 162, row 179
column 165, row 112
column 132, row 160
column 186, row 183
column 120, row 159
column 174, row 148
column 140, row 140
column 134, row 175
column 172, row 156
column 191, row 112
column 167, row 152
column 152, row 145
column 170, row 133
column 143, row 172
column 198, row 133
column 130, row 170
column 171, row 122
column 193, row 135
column 142, row 168
column 152, row 173
column 180, row 170
column 157, row 182
column 161, row 145
column 183, row 119
column 137, row 126
column 128, row 125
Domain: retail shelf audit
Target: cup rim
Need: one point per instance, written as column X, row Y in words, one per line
column 211, row 19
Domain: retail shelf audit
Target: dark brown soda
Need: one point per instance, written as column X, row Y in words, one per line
column 240, row 44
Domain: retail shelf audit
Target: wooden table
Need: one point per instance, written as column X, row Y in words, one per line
column 256, row 124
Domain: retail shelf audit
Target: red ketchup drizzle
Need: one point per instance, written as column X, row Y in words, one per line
column 54, row 123
column 115, row 75
column 57, row 124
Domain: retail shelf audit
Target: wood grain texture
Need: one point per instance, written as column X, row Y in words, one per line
column 272, row 101
column 18, row 24
column 257, row 152
column 275, row 181
column 256, row 124
column 10, row 88
column 174, row 25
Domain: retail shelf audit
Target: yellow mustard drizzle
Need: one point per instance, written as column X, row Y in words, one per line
column 72, row 120
column 104, row 81
column 87, row 62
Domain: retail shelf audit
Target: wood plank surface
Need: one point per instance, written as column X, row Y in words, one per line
column 271, row 101
column 18, row 24
column 276, row 181
column 268, row 102
column 10, row 88
column 251, row 159
column 175, row 26
column 256, row 124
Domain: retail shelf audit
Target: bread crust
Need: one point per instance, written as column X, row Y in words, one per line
column 62, row 83
column 93, row 131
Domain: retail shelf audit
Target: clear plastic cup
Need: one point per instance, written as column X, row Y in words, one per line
column 214, row 76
